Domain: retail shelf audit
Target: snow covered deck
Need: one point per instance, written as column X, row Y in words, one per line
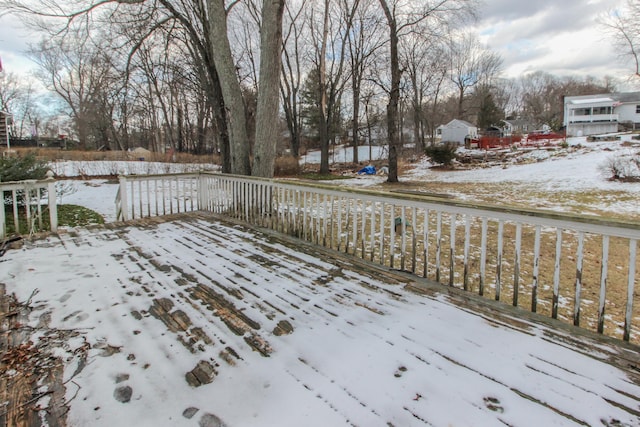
column 194, row 321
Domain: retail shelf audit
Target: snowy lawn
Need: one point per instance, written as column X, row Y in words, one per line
column 564, row 180
column 559, row 179
column 199, row 322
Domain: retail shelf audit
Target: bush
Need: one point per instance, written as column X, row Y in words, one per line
column 22, row 167
column 286, row 166
column 622, row 167
column 443, row 154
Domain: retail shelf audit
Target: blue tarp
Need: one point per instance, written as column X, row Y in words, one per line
column 368, row 170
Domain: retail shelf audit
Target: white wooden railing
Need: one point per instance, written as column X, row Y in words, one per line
column 594, row 118
column 25, row 198
column 578, row 269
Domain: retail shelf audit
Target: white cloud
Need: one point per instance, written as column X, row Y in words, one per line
column 562, row 38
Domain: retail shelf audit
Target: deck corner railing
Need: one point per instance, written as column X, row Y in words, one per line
column 578, row 269
column 26, row 209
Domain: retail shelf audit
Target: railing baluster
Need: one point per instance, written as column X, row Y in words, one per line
column 148, row 198
column 392, row 243
column 628, row 318
column 414, row 243
column 325, row 220
column 425, row 242
column 536, row 270
column 403, row 237
column 516, row 264
column 438, row 243
column 16, row 222
column 305, row 217
column 373, row 230
column 354, row 226
column 133, row 195
column 382, row 246
column 332, row 216
column 556, row 274
column 467, row 242
column 140, row 199
column 499, row 260
column 483, row 255
column 363, row 224
column 452, row 247
column 578, row 287
column 3, row 219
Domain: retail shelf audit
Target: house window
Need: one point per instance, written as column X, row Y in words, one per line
column 603, row 110
column 582, row 112
column 637, row 109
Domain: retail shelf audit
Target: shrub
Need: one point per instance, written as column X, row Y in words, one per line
column 443, row 154
column 286, row 166
column 22, row 167
column 622, row 167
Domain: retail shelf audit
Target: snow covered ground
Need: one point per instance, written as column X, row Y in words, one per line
column 546, row 179
column 195, row 322
column 578, row 169
column 279, row 334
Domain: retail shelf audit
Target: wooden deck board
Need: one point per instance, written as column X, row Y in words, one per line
column 410, row 352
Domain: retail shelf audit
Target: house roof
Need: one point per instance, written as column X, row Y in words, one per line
column 624, row 97
column 598, row 100
column 460, row 122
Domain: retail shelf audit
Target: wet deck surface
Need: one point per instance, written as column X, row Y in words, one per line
column 194, row 321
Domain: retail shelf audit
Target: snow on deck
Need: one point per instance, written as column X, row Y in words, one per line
column 194, row 321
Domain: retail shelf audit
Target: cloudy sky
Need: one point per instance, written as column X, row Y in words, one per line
column 561, row 37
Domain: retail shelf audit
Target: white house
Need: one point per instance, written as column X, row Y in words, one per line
column 456, row 131
column 520, row 126
column 598, row 114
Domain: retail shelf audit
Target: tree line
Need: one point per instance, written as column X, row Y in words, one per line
column 251, row 80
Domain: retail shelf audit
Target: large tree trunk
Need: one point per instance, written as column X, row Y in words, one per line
column 324, row 114
column 231, row 92
column 356, row 112
column 267, row 129
column 394, row 96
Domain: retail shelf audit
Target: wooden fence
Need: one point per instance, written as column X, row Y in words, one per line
column 578, row 269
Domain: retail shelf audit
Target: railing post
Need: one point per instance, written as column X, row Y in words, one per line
column 53, row 205
column 3, row 225
column 200, row 188
column 124, row 213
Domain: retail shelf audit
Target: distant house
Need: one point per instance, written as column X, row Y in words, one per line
column 457, row 131
column 601, row 113
column 517, row 126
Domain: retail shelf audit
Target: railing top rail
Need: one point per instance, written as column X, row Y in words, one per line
column 611, row 226
column 17, row 185
column 159, row 175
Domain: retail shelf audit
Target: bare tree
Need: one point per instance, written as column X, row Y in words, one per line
column 292, row 69
column 403, row 17
column 471, row 63
column 18, row 97
column 328, row 30
column 364, row 41
column 624, row 25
